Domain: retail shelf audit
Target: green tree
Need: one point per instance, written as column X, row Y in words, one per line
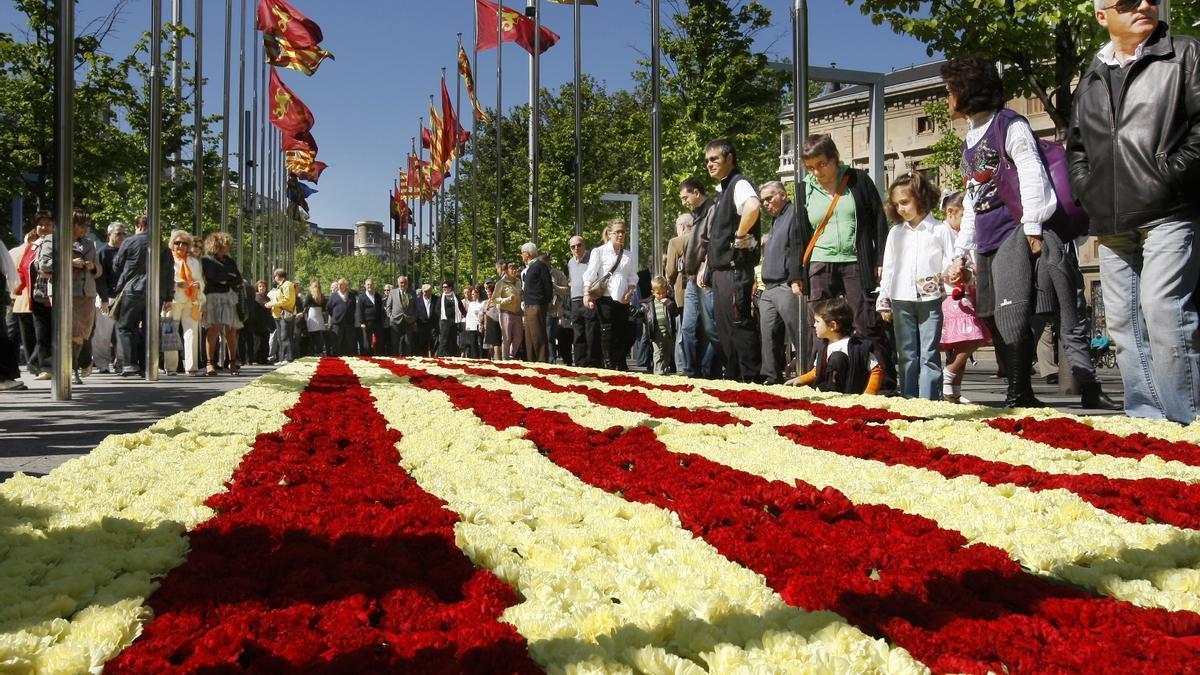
column 1045, row 44
column 946, row 153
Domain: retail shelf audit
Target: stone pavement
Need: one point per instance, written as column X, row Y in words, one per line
column 37, row 434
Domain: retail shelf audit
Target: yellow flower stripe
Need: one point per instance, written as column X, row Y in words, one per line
column 608, row 585
column 980, row 440
column 1053, row 532
column 80, row 548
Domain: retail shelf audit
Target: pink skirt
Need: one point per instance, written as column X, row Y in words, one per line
column 959, row 324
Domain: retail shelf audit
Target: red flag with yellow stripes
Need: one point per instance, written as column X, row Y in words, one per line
column 281, row 19
column 464, row 69
column 283, row 54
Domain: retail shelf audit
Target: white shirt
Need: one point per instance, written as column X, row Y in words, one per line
column 1108, row 55
column 623, row 277
column 475, row 315
column 915, row 256
column 743, row 192
column 458, row 315
column 575, row 271
column 1037, row 192
column 314, row 319
column 843, row 346
column 8, row 268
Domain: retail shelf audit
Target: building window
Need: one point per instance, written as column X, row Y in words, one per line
column 924, row 125
column 1034, row 106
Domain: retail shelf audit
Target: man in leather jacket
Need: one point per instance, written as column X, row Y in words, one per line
column 1143, row 88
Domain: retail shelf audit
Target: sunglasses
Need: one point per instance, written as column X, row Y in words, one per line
column 714, row 160
column 1126, row 6
column 181, row 243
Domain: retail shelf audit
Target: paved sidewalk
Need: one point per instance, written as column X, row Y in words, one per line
column 37, row 434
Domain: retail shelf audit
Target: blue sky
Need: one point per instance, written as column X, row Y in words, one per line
column 389, row 55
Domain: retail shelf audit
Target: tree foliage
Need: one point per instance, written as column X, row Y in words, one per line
column 111, row 144
column 946, row 152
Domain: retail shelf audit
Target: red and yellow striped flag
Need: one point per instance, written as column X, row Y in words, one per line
column 464, row 69
column 283, row 54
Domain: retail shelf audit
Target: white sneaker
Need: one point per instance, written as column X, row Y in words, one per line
column 282, row 363
column 12, row 385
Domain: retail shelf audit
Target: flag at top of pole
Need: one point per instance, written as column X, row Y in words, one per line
column 464, row 69
column 288, row 112
column 515, row 27
column 281, row 19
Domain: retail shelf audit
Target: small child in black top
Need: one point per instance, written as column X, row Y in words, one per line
column 844, row 362
column 660, row 317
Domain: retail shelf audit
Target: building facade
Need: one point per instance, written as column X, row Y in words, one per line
column 909, row 133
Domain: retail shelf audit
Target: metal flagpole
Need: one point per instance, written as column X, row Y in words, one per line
column 154, row 288
column 254, row 162
column 419, row 150
column 535, row 114
column 225, row 117
column 243, row 124
column 64, row 198
column 177, row 79
column 578, row 124
column 656, row 131
column 499, row 118
column 799, row 132
column 475, row 164
column 198, row 134
column 264, row 233
column 458, row 147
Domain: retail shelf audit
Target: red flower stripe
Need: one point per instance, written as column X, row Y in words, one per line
column 325, row 555
column 956, row 607
column 614, row 380
column 1162, row 499
column 632, row 401
column 1073, row 435
column 761, row 400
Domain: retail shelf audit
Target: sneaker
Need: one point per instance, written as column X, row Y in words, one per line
column 282, row 363
column 42, row 376
column 172, row 373
column 12, row 385
column 75, row 379
column 130, row 372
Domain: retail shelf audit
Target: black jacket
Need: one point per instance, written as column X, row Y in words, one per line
column 369, row 313
column 435, row 309
column 106, row 285
column 341, row 312
column 1152, row 173
column 697, row 245
column 537, row 287
column 783, row 254
column 130, row 264
column 870, row 229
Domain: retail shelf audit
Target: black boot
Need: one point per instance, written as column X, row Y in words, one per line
column 1094, row 398
column 1018, row 364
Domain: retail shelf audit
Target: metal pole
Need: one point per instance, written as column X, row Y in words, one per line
column 499, row 118
column 535, row 115
column 154, row 288
column 264, row 232
column 656, row 132
column 475, row 164
column 799, row 132
column 177, row 79
column 423, row 222
column 457, row 160
column 198, row 136
column 243, row 125
column 252, row 165
column 578, row 124
column 225, row 117
column 64, row 177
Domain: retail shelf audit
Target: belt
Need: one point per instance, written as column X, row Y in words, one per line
column 768, row 285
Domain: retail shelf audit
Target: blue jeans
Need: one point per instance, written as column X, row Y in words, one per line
column 918, row 334
column 1148, row 277
column 697, row 311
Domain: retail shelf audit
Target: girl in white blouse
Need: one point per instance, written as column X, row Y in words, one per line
column 919, row 249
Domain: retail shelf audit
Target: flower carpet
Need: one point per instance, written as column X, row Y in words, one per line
column 440, row 516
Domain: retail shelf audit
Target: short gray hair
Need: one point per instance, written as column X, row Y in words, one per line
column 684, row 222
column 118, row 225
column 772, row 185
column 529, row 247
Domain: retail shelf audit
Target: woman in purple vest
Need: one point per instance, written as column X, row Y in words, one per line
column 1004, row 246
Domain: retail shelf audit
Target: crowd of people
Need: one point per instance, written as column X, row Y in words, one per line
column 894, row 283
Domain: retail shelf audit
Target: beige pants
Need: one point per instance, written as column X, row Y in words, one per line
column 190, row 329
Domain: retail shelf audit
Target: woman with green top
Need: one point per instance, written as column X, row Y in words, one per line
column 846, row 215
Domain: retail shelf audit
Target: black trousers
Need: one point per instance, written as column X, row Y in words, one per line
column 372, row 340
column 447, row 338
column 611, row 323
column 344, row 336
column 402, row 340
column 737, row 327
column 829, row 280
column 585, row 329
column 131, row 315
column 10, row 368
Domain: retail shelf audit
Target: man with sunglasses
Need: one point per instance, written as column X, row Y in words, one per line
column 1134, row 152
column 733, row 253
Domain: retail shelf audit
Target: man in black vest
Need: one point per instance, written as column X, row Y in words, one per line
column 733, row 253
column 369, row 313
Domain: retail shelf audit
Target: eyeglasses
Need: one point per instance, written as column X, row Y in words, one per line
column 772, row 197
column 1126, row 6
column 714, row 160
column 181, row 243
column 816, row 167
column 616, row 232
column 576, row 245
